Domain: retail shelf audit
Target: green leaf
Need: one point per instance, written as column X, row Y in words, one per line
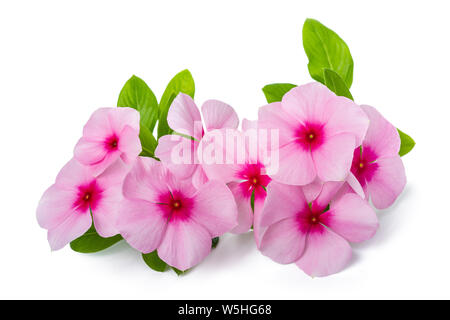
column 179, row 272
column 274, row 92
column 325, row 49
column 137, row 95
column 182, row 82
column 215, row 242
column 148, row 142
column 335, row 83
column 407, row 143
column 154, row 261
column 91, row 242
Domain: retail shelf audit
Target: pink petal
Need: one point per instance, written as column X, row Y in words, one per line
column 114, row 175
column 312, row 190
column 184, row 116
column 219, row 115
column 90, row 152
column 347, row 117
column 249, row 125
column 121, row 117
column 311, row 103
column 221, row 153
column 55, row 206
column 326, row 253
column 98, row 126
column 105, row 213
column 327, row 193
column 178, row 154
column 71, row 228
column 355, row 185
column 215, row 208
column 274, row 117
column 129, row 144
column 258, row 229
column 283, row 241
column 244, row 208
column 142, row 224
column 283, row 201
column 382, row 137
column 352, row 218
column 387, row 182
column 199, row 177
column 185, row 244
column 296, row 166
column 73, row 174
column 146, row 180
column 334, row 157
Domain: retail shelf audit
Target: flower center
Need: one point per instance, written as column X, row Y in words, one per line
column 310, row 136
column 112, row 143
column 361, row 165
column 314, row 219
column 88, row 197
column 176, row 204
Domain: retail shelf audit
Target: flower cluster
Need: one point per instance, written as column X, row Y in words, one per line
column 304, row 177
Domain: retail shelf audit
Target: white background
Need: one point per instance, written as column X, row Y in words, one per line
column 60, row 60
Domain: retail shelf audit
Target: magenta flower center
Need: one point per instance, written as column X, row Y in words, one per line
column 310, row 136
column 112, row 142
column 364, row 164
column 176, row 206
column 88, row 196
column 254, row 180
column 311, row 218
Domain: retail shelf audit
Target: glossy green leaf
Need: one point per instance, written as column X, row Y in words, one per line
column 91, row 242
column 407, row 143
column 335, row 83
column 154, row 261
column 325, row 49
column 274, row 92
column 148, row 142
column 137, row 95
column 182, row 82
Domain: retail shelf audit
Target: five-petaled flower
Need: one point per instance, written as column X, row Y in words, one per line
column 376, row 164
column 65, row 208
column 315, row 234
column 318, row 132
column 161, row 212
column 110, row 134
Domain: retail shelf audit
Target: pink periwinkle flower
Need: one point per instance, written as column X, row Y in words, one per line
column 184, row 117
column 110, row 134
column 65, row 208
column 313, row 235
column 164, row 213
column 376, row 164
column 318, row 133
column 246, row 177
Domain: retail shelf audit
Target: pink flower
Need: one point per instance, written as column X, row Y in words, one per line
column 184, row 117
column 246, row 177
column 110, row 134
column 163, row 213
column 318, row 133
column 314, row 235
column 65, row 208
column 376, row 164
